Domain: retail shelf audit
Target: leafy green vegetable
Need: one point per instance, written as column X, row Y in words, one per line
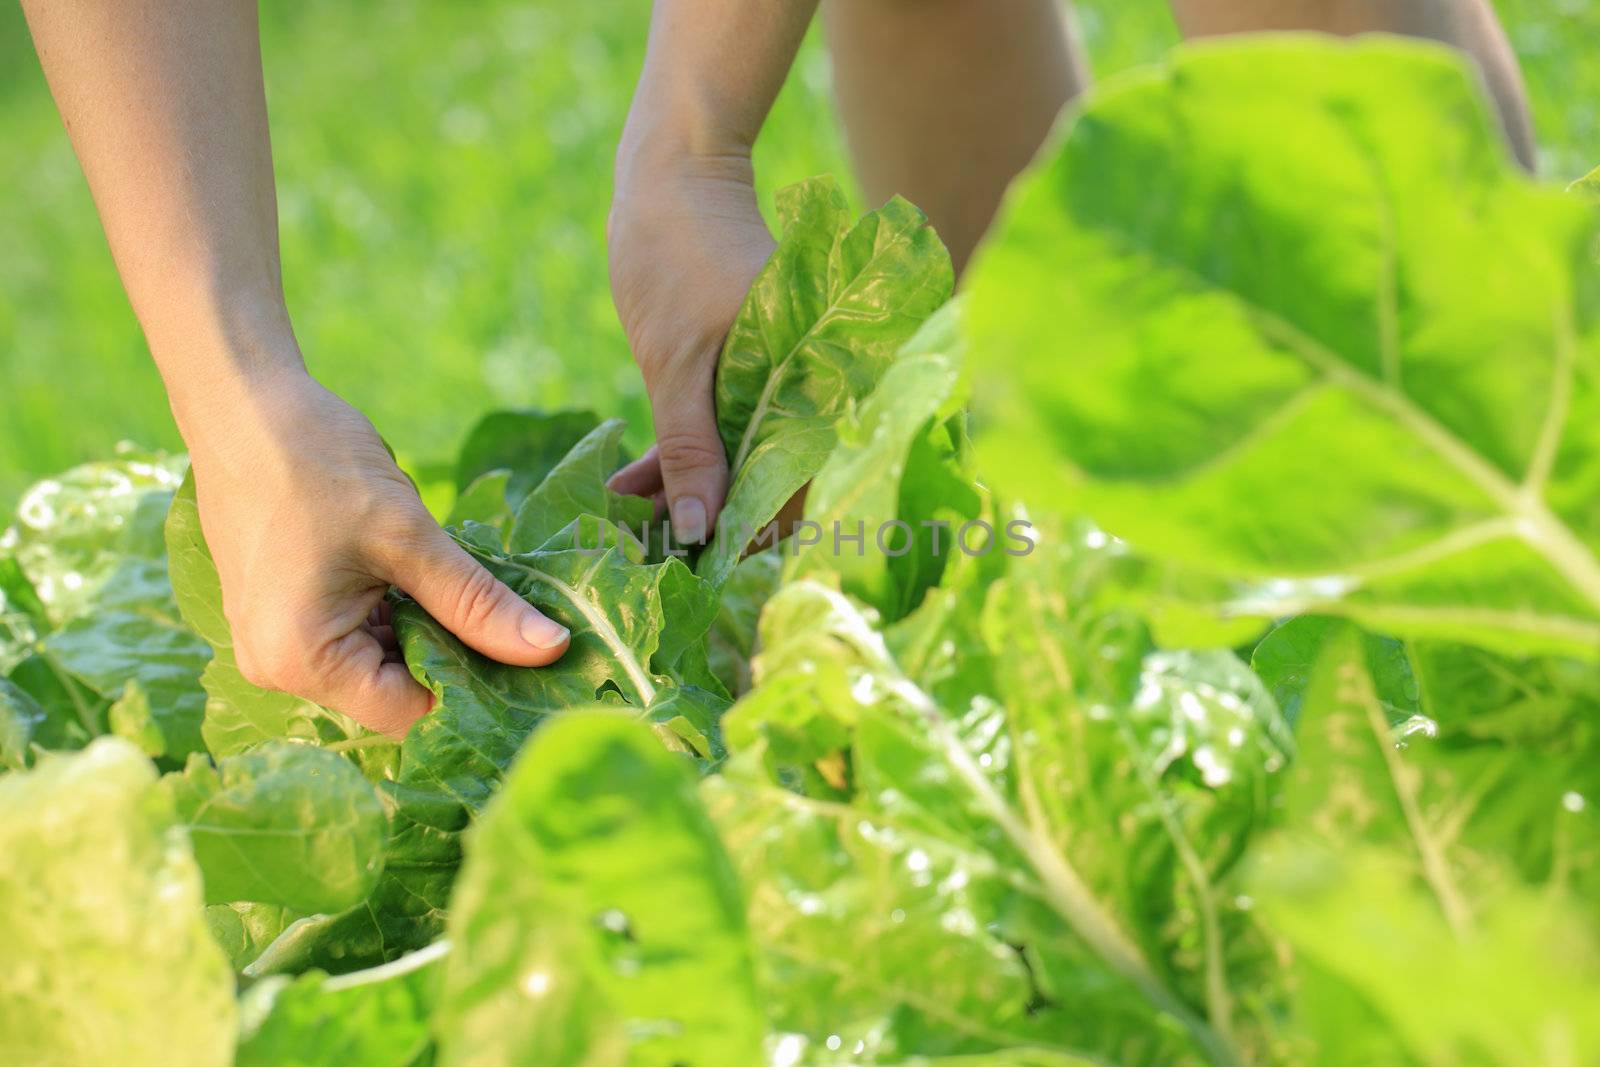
column 966, row 811
column 20, row 719
column 373, row 1018
column 1034, row 821
column 575, row 487
column 1278, row 363
column 89, row 581
column 283, row 824
column 631, row 623
column 1392, row 877
column 525, row 444
column 107, row 957
column 598, row 920
column 888, row 480
column 821, row 324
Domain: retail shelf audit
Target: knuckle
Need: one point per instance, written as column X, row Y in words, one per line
column 682, row 450
column 478, row 598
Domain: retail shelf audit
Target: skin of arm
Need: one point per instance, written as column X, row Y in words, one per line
column 308, row 518
column 945, row 101
column 685, row 236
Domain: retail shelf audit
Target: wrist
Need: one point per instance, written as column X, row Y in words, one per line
column 225, row 370
column 674, row 136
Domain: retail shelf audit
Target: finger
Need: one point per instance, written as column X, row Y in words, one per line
column 384, row 635
column 472, row 604
column 642, row 477
column 694, row 467
column 356, row 677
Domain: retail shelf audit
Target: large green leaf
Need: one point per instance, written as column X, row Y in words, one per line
column 597, row 920
column 821, row 324
column 1088, row 811
column 107, row 958
column 283, row 824
column 21, row 718
column 1420, row 857
column 372, row 1018
column 1284, row 311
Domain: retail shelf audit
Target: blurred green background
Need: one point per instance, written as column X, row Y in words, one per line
column 443, row 175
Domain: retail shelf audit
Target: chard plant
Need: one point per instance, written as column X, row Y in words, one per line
column 1277, row 745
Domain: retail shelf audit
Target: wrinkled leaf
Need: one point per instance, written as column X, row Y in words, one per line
column 874, row 524
column 107, row 957
column 597, row 920
column 282, row 824
column 821, row 324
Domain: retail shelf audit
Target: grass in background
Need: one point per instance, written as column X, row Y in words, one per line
column 443, row 175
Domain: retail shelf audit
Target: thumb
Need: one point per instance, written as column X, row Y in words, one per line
column 479, row 609
column 694, row 467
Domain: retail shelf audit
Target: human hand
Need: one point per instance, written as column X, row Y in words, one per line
column 685, row 241
column 310, row 522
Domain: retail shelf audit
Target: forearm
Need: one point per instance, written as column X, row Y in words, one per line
column 1469, row 25
column 945, row 101
column 711, row 73
column 164, row 103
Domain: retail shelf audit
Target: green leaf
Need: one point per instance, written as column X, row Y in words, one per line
column 372, row 1018
column 821, row 324
column 91, row 537
column 107, row 957
column 1416, row 858
column 22, row 614
column 130, row 717
column 732, row 640
column 90, row 581
column 528, row 444
column 284, row 824
column 1587, row 186
column 244, row 929
column 597, row 920
column 631, row 624
column 237, row 715
column 1067, row 813
column 1281, row 368
column 149, row 647
column 575, row 487
column 20, row 720
column 483, row 501
column 1521, row 990
column 1286, row 660
column 866, row 489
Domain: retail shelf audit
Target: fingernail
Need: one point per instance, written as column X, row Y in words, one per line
column 541, row 632
column 689, row 520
